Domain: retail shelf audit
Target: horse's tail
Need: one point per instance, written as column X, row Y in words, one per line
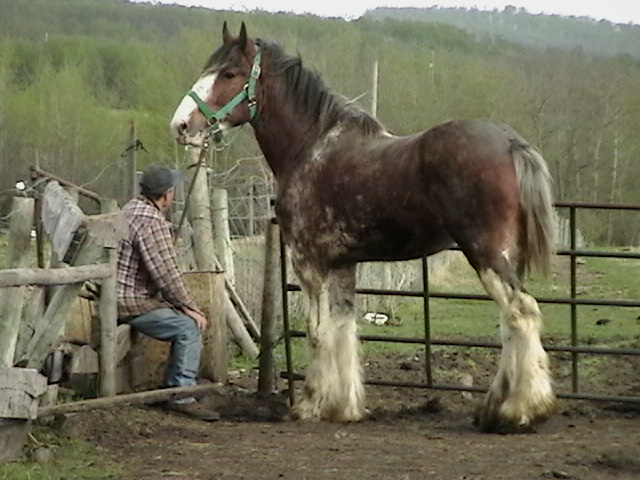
column 536, row 200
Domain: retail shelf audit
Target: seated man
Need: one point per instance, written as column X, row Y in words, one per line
column 152, row 296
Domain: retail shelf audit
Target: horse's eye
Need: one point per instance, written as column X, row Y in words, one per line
column 228, row 75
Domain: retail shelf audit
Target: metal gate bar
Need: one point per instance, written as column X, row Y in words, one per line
column 575, row 349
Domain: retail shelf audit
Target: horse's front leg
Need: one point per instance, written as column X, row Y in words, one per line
column 521, row 394
column 333, row 387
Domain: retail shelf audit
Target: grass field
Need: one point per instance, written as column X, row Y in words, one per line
column 597, row 279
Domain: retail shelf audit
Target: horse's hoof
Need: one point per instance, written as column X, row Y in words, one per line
column 302, row 412
column 490, row 419
column 335, row 415
column 497, row 424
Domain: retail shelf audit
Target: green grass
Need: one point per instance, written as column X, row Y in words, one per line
column 598, row 278
column 71, row 460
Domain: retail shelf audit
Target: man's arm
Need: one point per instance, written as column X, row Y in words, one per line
column 160, row 258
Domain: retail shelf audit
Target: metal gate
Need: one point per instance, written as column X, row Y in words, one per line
column 574, row 349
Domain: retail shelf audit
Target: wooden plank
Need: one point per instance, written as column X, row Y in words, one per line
column 61, row 217
column 47, row 333
column 53, row 276
column 32, row 315
column 19, row 392
column 139, row 398
column 145, row 367
column 99, row 230
column 123, row 342
column 110, row 227
column 84, row 361
column 20, row 226
column 237, row 328
column 38, row 172
column 243, row 314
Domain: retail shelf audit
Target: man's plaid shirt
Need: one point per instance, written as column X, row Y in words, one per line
column 148, row 275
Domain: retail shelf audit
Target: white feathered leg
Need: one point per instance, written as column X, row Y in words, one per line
column 333, row 387
column 350, row 400
column 521, row 393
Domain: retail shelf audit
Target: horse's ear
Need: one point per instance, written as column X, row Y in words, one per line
column 243, row 36
column 226, row 38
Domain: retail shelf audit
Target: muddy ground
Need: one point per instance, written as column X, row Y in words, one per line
column 411, row 434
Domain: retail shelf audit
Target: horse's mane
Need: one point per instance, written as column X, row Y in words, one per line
column 312, row 95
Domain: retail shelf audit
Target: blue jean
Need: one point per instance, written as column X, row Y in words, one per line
column 182, row 331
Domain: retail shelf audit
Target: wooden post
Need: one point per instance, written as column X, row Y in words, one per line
column 251, row 227
column 240, row 333
column 374, row 90
column 19, row 394
column 208, row 290
column 108, row 325
column 222, row 233
column 130, row 166
column 13, row 298
column 32, row 315
column 199, row 214
column 108, row 303
column 267, row 374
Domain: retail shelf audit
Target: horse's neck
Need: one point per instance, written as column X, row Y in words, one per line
column 284, row 136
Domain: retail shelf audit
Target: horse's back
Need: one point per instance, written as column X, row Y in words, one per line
column 467, row 167
column 468, row 142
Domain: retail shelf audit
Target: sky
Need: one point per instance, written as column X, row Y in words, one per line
column 616, row 11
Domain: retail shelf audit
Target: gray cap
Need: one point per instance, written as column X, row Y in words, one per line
column 156, row 180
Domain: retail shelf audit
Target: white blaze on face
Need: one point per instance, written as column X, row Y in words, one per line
column 181, row 122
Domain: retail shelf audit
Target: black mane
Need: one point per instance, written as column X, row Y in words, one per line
column 311, row 94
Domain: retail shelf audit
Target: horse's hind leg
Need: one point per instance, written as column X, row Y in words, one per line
column 333, row 387
column 521, row 393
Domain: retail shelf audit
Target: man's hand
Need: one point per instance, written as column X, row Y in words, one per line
column 199, row 318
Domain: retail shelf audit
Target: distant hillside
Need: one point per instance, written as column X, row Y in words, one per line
column 74, row 74
column 519, row 26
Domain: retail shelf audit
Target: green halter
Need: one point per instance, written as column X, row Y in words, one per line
column 247, row 93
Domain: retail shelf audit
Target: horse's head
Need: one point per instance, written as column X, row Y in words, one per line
column 224, row 95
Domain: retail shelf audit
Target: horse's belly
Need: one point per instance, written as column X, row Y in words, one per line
column 393, row 248
column 340, row 231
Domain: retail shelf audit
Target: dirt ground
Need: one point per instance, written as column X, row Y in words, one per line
column 411, row 434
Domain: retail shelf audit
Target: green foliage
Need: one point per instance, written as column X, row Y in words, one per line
column 422, row 34
column 519, row 26
column 75, row 73
column 71, row 460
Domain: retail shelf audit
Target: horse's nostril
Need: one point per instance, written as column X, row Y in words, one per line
column 182, row 127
